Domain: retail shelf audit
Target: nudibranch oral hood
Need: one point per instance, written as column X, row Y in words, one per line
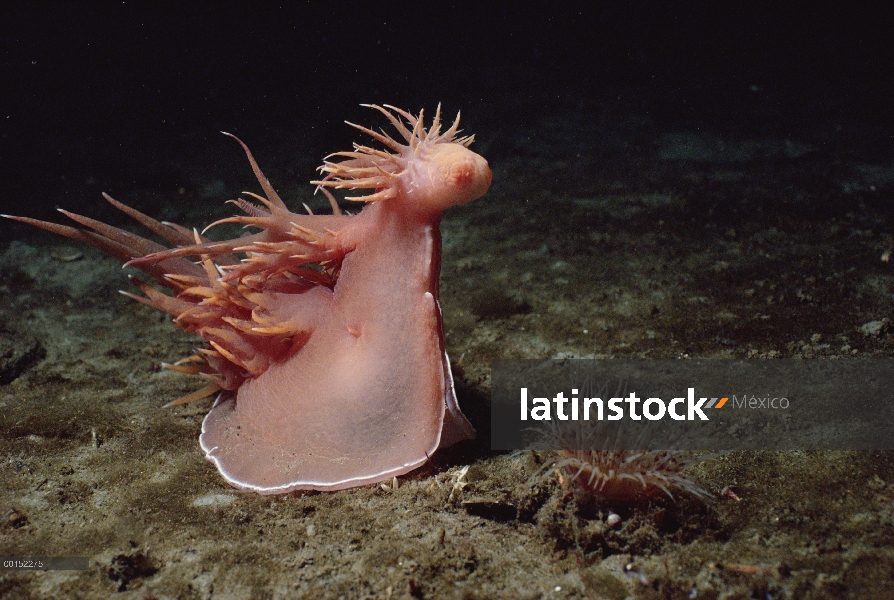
column 325, row 343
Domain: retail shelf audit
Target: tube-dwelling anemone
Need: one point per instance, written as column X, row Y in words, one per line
column 598, row 459
column 627, row 477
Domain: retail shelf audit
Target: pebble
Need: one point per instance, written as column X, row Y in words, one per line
column 876, row 328
column 214, row 500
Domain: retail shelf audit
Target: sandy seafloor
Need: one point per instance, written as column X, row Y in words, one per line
column 605, row 234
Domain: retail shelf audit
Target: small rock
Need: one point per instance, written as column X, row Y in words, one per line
column 16, row 519
column 876, row 328
column 876, row 484
column 214, row 500
column 66, row 254
column 18, row 352
column 125, row 568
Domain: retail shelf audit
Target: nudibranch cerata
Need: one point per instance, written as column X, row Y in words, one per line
column 325, row 343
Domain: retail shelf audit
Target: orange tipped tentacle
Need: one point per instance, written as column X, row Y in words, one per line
column 336, row 210
column 353, row 172
column 366, row 151
column 357, row 155
column 169, row 304
column 211, row 270
column 125, row 238
column 262, row 199
column 240, row 324
column 204, row 392
column 108, row 246
column 284, row 329
column 435, row 125
column 384, row 138
column 165, row 231
column 184, row 231
column 226, row 336
column 411, row 119
column 199, row 292
column 190, row 359
column 228, row 355
column 121, row 251
column 140, row 299
column 265, row 183
column 363, row 182
column 394, row 120
column 245, row 220
column 185, row 280
column 188, row 370
column 211, row 249
column 450, row 133
column 385, row 194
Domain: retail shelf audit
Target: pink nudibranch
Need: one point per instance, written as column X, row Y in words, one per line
column 324, row 331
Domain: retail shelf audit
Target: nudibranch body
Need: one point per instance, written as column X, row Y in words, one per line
column 324, row 331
